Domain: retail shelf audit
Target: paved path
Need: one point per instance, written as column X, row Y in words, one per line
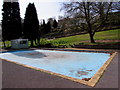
column 16, row 76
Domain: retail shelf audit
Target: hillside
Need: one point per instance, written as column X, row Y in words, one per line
column 111, row 36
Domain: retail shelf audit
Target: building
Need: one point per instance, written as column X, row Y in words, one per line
column 70, row 22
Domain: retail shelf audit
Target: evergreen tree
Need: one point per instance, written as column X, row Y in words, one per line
column 44, row 27
column 11, row 21
column 48, row 27
column 43, row 22
column 5, row 21
column 16, row 21
column 55, row 24
column 31, row 24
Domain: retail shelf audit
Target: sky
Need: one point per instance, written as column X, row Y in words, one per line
column 45, row 8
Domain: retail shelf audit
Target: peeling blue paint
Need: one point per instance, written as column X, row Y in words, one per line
column 74, row 64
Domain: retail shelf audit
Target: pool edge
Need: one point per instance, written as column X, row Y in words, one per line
column 93, row 81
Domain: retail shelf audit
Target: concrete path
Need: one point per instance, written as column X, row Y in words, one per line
column 16, row 76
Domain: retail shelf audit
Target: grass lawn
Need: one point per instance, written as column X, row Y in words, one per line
column 82, row 39
column 77, row 39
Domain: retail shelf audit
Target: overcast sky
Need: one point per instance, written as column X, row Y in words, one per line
column 45, row 8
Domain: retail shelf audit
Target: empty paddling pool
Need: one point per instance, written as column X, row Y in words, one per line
column 83, row 67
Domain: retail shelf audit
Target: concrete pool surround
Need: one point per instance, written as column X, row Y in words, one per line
column 87, row 81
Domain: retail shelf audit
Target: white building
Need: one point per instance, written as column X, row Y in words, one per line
column 19, row 43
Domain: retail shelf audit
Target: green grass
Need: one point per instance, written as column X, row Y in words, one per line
column 79, row 39
column 8, row 44
column 108, row 35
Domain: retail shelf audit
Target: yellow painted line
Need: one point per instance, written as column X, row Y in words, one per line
column 97, row 76
column 92, row 82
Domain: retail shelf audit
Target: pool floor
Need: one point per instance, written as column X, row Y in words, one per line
column 75, row 65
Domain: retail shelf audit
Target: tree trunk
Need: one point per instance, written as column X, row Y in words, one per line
column 91, row 38
column 38, row 39
column 4, row 44
column 8, row 45
column 31, row 43
column 35, row 42
column 90, row 32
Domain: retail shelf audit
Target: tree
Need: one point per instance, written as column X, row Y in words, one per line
column 116, row 6
column 94, row 14
column 44, row 31
column 11, row 21
column 16, row 21
column 55, row 24
column 44, row 28
column 43, row 22
column 5, row 20
column 48, row 27
column 31, row 24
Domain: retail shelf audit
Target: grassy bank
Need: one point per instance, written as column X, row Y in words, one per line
column 82, row 39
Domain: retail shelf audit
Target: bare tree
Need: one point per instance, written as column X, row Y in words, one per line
column 94, row 14
column 116, row 6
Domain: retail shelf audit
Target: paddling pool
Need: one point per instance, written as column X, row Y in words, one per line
column 77, row 66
